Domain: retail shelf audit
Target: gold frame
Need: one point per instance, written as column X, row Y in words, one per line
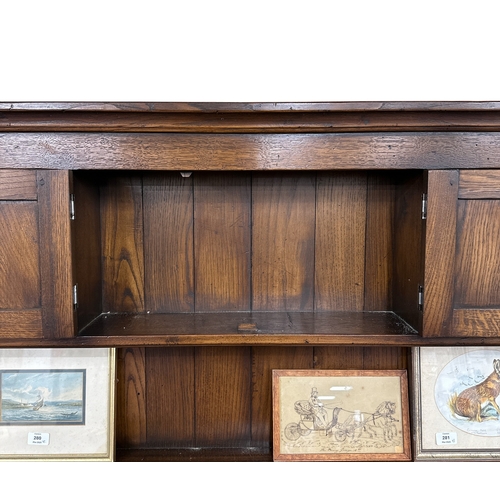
column 430, row 422
column 109, row 454
column 368, row 421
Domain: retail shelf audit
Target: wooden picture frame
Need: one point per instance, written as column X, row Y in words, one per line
column 452, row 422
column 341, row 415
column 57, row 404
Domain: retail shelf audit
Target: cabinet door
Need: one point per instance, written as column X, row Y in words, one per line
column 35, row 258
column 462, row 277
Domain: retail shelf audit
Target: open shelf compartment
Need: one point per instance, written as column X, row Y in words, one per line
column 239, row 257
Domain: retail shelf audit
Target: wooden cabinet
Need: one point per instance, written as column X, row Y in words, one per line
column 213, row 243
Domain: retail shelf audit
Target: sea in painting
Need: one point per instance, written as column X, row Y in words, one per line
column 42, row 397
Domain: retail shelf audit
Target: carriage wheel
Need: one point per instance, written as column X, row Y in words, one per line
column 340, row 435
column 292, row 431
column 303, row 430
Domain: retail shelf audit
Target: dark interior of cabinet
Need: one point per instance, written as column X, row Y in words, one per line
column 159, row 253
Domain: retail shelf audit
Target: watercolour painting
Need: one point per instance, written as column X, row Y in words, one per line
column 42, row 397
column 333, row 415
column 57, row 404
column 456, row 403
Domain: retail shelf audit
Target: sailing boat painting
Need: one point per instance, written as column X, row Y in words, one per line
column 49, row 397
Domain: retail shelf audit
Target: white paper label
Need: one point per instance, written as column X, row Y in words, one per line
column 446, row 438
column 38, row 438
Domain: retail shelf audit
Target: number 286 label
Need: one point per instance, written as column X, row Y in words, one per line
column 446, row 438
column 38, row 438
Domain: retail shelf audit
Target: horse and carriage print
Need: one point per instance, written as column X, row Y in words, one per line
column 340, row 415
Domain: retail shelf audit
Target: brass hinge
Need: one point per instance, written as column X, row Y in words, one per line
column 72, row 207
column 424, row 206
column 420, row 298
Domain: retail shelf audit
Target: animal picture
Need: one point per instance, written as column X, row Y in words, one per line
column 350, row 426
column 478, row 402
column 340, row 415
column 467, row 390
column 383, row 421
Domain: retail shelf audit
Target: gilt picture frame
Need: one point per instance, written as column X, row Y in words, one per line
column 341, row 415
column 57, row 404
column 455, row 406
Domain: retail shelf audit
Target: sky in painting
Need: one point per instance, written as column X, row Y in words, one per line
column 26, row 386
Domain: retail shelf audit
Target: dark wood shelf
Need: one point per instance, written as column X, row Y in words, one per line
column 249, row 454
column 384, row 328
column 242, row 328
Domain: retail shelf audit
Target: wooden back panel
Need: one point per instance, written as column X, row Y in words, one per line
column 237, row 241
column 225, row 402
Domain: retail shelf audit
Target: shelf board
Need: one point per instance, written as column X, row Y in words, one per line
column 271, row 329
column 248, row 328
column 194, row 455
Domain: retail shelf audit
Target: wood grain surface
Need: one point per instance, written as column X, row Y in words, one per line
column 17, row 184
column 478, row 254
column 440, row 253
column 55, row 254
column 283, row 218
column 190, row 151
column 122, row 243
column 479, row 184
column 19, row 271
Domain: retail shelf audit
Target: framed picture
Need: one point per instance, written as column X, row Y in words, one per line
column 57, row 404
column 331, row 415
column 455, row 407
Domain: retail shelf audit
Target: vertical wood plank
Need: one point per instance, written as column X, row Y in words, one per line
column 19, row 256
column 264, row 361
column 170, row 406
column 222, row 241
column 131, row 398
column 379, row 242
column 223, row 396
column 168, row 242
column 385, row 358
column 440, row 252
column 55, row 253
column 122, row 242
column 340, row 242
column 478, row 254
column 283, row 242
column 338, row 358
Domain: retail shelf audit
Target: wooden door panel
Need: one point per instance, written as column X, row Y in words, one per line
column 479, row 184
column 19, row 263
column 17, row 184
column 36, row 279
column 20, row 291
column 462, row 289
column 440, row 243
column 478, row 254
